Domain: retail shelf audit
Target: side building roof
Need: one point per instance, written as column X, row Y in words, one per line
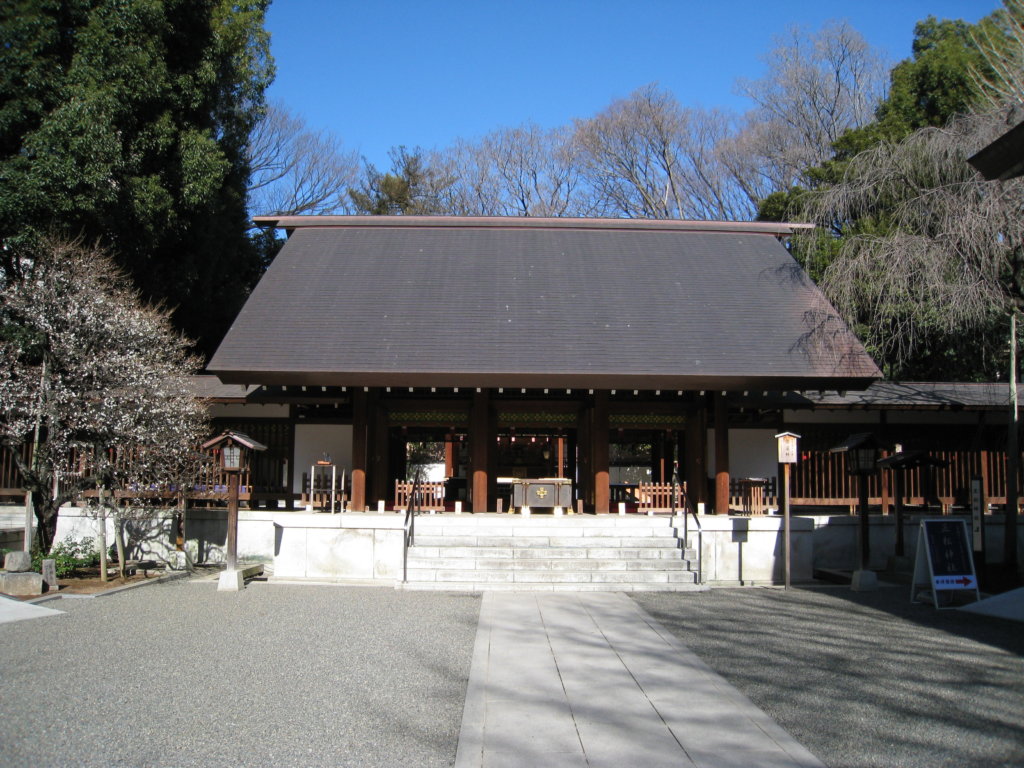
column 581, row 303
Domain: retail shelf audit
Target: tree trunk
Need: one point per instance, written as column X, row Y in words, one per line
column 103, row 535
column 119, row 540
column 46, row 527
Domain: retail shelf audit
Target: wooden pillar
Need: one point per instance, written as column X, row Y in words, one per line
column 560, row 440
column 480, row 437
column 884, row 484
column 600, row 453
column 584, row 467
column 449, row 456
column 359, row 449
column 721, row 454
column 695, row 470
column 378, row 472
column 398, row 464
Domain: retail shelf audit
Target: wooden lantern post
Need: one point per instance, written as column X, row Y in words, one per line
column 233, row 447
column 862, row 452
column 787, row 457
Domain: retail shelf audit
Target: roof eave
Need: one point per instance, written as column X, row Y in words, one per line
column 557, row 380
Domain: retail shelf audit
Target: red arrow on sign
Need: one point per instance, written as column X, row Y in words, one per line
column 965, row 580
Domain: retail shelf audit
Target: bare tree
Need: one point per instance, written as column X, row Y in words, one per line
column 630, row 155
column 521, row 171
column 296, row 170
column 1000, row 38
column 94, row 372
column 927, row 245
column 647, row 157
column 816, row 88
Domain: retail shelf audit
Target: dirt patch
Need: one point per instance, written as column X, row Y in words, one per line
column 88, row 582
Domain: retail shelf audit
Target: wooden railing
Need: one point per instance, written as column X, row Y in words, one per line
column 820, row 479
column 752, row 496
column 430, row 495
column 657, row 497
column 10, row 477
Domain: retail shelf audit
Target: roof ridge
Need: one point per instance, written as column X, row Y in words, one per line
column 527, row 222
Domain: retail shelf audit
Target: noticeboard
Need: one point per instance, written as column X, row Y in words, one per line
column 944, row 548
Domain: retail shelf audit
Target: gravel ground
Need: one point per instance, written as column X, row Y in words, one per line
column 864, row 680
column 178, row 674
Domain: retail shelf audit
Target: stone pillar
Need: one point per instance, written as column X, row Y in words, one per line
column 721, row 454
column 360, row 451
column 480, row 437
column 600, row 453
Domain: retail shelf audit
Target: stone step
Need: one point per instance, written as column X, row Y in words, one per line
column 541, row 521
column 551, row 577
column 545, row 533
column 471, row 586
column 552, row 553
column 539, row 564
column 432, row 540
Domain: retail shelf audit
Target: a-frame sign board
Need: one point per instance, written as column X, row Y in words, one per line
column 944, row 562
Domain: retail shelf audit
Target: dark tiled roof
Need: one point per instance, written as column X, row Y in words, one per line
column 211, row 388
column 1004, row 157
column 891, row 395
column 435, row 304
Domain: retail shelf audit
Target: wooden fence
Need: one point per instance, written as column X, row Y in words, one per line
column 657, row 497
column 431, row 495
column 820, row 479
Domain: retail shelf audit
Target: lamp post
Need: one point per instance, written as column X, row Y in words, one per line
column 231, row 463
column 862, row 451
column 233, row 446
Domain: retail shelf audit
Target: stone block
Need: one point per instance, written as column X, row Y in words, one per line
column 50, row 573
column 17, row 562
column 231, row 581
column 21, row 583
column 864, row 581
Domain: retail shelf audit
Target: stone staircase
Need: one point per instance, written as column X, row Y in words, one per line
column 608, row 553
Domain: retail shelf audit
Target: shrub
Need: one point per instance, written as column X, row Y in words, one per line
column 69, row 556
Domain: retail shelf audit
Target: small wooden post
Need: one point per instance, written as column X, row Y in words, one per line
column 231, row 556
column 787, row 457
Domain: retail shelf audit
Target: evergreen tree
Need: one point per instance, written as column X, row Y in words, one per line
column 125, row 122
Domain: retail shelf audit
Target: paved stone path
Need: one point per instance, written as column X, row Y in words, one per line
column 592, row 680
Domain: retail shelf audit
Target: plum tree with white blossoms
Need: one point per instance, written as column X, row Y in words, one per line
column 96, row 381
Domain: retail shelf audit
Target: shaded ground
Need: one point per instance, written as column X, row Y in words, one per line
column 864, row 680
column 178, row 674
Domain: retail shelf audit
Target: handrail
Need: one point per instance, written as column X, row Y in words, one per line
column 688, row 509
column 409, row 526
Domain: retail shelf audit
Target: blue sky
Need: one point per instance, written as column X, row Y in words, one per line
column 380, row 74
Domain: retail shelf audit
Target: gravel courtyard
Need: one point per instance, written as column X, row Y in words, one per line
column 864, row 680
column 178, row 674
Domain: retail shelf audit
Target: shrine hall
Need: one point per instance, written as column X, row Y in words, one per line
column 530, row 348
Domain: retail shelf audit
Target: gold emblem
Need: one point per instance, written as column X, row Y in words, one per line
column 542, row 493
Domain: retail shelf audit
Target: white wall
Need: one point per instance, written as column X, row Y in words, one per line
column 312, row 440
column 752, row 453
